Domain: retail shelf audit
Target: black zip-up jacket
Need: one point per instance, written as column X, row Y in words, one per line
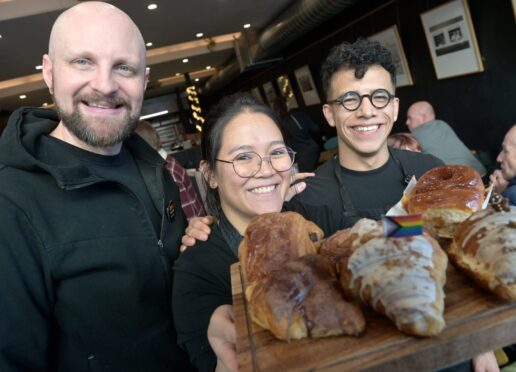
column 85, row 282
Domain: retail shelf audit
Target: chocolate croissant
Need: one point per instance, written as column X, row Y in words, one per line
column 291, row 290
column 402, row 278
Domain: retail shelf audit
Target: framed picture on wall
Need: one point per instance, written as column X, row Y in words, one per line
column 451, row 39
column 514, row 8
column 307, row 86
column 390, row 39
column 256, row 93
column 286, row 91
column 270, row 93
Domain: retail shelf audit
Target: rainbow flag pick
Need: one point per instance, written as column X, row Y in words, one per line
column 402, row 226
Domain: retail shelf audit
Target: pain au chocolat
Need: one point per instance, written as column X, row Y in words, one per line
column 292, row 290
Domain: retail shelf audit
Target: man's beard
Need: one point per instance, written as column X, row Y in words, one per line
column 119, row 129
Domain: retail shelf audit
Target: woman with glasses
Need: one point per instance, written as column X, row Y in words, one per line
column 247, row 168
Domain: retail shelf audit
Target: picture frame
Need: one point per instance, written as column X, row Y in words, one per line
column 514, row 8
column 306, row 86
column 390, row 39
column 286, row 91
column 451, row 39
column 256, row 93
column 270, row 93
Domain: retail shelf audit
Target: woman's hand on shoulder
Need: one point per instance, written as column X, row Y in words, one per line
column 297, row 188
column 222, row 338
column 198, row 229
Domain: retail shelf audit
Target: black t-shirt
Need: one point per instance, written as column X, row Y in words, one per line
column 120, row 168
column 351, row 195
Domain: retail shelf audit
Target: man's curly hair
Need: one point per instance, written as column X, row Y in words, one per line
column 358, row 56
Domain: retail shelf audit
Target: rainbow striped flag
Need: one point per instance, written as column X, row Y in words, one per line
column 402, row 226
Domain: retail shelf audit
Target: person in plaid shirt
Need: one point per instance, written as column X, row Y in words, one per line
column 190, row 202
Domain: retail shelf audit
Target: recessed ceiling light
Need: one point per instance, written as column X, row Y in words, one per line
column 0, row 36
column 23, row 96
column 196, row 79
column 199, row 34
column 149, row 44
column 39, row 67
column 208, row 67
column 45, row 104
column 178, row 74
column 247, row 25
column 152, row 6
column 185, row 60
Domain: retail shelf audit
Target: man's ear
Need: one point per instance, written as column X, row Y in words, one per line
column 328, row 114
column 47, row 73
column 147, row 74
column 396, row 108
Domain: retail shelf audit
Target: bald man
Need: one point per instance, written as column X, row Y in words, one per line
column 90, row 220
column 438, row 138
column 504, row 179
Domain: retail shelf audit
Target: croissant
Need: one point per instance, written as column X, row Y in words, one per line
column 484, row 247
column 291, row 290
column 273, row 239
column 304, row 299
column 402, row 278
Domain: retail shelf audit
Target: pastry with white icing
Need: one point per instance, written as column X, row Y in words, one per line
column 484, row 247
column 402, row 278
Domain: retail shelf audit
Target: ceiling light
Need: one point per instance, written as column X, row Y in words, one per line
column 247, row 25
column 178, row 73
column 152, row 6
column 196, row 79
column 200, row 34
column 208, row 67
column 159, row 113
column 45, row 104
column 149, row 44
column 23, row 96
column 185, row 60
column 39, row 67
column 0, row 36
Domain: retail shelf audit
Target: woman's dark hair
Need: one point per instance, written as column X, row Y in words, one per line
column 211, row 139
column 358, row 56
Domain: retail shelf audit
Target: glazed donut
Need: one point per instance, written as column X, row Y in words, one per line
column 446, row 196
column 484, row 247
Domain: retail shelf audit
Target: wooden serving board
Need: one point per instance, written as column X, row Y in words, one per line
column 476, row 321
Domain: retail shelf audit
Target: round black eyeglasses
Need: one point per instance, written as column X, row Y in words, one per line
column 351, row 101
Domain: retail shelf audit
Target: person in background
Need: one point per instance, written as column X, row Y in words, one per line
column 438, row 138
column 404, row 141
column 504, row 179
column 89, row 227
column 192, row 206
column 302, row 134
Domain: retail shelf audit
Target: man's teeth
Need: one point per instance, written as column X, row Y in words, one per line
column 98, row 105
column 263, row 190
column 368, row 128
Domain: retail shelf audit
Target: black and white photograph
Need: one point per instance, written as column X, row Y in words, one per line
column 270, row 93
column 451, row 39
column 391, row 40
column 307, row 86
